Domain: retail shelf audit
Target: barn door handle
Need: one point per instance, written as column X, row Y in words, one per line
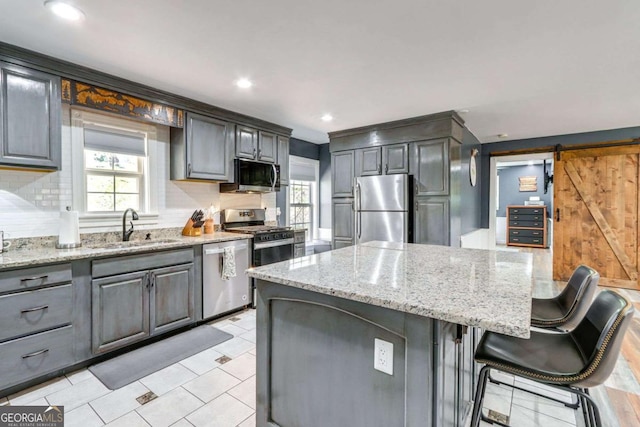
column 557, row 215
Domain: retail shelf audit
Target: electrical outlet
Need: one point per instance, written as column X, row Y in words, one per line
column 383, row 356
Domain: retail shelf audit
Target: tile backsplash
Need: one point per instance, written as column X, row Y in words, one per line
column 31, row 201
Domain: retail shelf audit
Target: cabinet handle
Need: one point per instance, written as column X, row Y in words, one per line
column 386, row 168
column 146, row 280
column 416, row 188
column 254, row 153
column 35, row 353
column 29, row 310
column 31, row 279
column 189, row 169
column 153, row 280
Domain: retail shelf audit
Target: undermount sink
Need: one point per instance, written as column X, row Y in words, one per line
column 130, row 244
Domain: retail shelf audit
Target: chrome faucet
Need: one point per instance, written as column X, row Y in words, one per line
column 126, row 234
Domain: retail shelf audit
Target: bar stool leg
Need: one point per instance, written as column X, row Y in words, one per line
column 477, row 404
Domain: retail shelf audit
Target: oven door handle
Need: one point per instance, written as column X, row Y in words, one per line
column 273, row 244
column 221, row 250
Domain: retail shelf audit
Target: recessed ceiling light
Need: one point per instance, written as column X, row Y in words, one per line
column 503, row 135
column 327, row 118
column 64, row 10
column 244, row 83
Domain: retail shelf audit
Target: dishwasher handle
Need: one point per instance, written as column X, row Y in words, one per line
column 221, row 250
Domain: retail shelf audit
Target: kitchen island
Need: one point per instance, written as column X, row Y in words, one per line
column 323, row 321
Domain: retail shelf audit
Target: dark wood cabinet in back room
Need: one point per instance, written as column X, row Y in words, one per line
column 30, row 123
column 527, row 226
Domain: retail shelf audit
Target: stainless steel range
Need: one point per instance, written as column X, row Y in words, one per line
column 270, row 243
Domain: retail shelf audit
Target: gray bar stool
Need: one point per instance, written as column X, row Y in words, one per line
column 565, row 310
column 571, row 361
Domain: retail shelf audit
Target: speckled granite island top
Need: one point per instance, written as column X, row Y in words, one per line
column 489, row 289
column 31, row 257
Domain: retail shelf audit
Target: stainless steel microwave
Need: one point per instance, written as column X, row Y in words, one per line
column 253, row 177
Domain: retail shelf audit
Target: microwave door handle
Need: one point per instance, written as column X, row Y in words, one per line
column 274, row 177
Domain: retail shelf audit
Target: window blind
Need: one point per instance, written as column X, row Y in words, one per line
column 114, row 141
column 302, row 172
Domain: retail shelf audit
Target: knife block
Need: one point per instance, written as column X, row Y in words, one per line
column 190, row 230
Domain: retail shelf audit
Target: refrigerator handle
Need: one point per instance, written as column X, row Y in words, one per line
column 359, row 212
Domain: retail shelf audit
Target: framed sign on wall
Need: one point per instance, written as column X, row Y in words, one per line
column 528, row 183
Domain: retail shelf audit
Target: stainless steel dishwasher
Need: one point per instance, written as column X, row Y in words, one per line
column 218, row 295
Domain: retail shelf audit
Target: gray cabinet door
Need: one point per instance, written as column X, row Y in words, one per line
column 432, row 221
column 342, row 173
column 395, row 158
column 448, row 387
column 30, row 124
column 172, row 298
column 283, row 159
column 369, row 161
column 246, row 143
column 430, row 167
column 267, row 147
column 120, row 310
column 343, row 217
column 209, row 148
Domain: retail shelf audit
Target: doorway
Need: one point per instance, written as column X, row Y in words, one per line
column 518, row 180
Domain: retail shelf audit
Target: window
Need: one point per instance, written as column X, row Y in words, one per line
column 111, row 173
column 300, row 208
column 303, row 195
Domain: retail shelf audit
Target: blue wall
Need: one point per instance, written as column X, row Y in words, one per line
column 300, row 148
column 509, row 191
column 549, row 141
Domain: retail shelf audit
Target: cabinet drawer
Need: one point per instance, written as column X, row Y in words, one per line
column 526, row 233
column 299, row 237
column 527, row 217
column 531, row 224
column 526, row 240
column 526, row 211
column 28, row 278
column 27, row 312
column 35, row 355
column 133, row 263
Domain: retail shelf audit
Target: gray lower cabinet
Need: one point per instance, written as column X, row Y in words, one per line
column 120, row 310
column 203, row 149
column 30, row 123
column 172, row 298
column 36, row 315
column 431, row 218
column 283, row 159
column 342, row 173
column 137, row 296
column 343, row 223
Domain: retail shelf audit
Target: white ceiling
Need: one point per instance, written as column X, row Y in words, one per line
column 525, row 68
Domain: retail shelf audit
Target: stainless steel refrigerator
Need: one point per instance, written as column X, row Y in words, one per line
column 383, row 208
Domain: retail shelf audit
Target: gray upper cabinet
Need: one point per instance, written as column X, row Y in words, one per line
column 369, row 161
column 203, row 149
column 267, row 147
column 342, row 173
column 30, row 124
column 172, row 298
column 283, row 159
column 246, row 143
column 395, row 159
column 430, row 167
column 120, row 310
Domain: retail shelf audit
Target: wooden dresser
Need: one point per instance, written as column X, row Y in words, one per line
column 527, row 226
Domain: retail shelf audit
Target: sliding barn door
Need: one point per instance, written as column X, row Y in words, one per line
column 596, row 217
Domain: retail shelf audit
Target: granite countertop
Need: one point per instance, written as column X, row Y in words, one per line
column 47, row 255
column 489, row 289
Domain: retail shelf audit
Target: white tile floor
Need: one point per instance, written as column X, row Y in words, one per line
column 198, row 391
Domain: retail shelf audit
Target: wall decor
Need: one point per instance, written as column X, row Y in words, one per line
column 76, row 93
column 528, row 183
column 472, row 167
